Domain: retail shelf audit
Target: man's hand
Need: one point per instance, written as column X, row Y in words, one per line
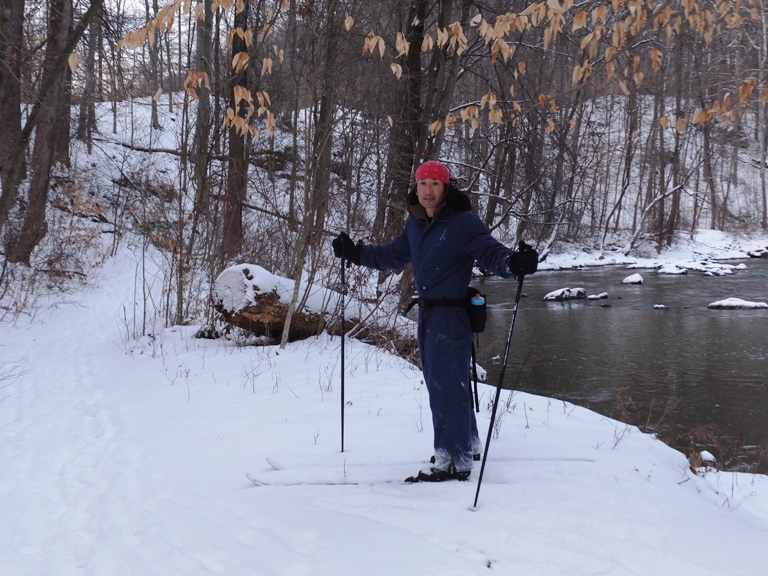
column 343, row 247
column 525, row 260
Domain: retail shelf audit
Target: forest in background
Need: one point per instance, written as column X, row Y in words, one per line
column 613, row 124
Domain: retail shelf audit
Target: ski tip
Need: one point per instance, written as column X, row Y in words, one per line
column 272, row 463
column 255, row 481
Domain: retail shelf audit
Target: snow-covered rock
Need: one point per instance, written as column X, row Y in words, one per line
column 601, row 296
column 672, row 269
column 633, row 279
column 566, row 294
column 737, row 304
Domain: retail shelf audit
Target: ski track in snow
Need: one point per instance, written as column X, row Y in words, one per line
column 69, row 458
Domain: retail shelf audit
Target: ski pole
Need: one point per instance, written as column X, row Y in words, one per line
column 498, row 387
column 343, row 293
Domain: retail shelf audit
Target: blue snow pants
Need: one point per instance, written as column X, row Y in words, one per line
column 445, row 348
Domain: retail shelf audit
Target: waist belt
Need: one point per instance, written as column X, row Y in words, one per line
column 428, row 303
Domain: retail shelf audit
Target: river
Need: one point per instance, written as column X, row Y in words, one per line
column 698, row 377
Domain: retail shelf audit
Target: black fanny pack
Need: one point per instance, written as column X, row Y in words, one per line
column 473, row 302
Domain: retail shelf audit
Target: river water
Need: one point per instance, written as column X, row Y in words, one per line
column 698, row 377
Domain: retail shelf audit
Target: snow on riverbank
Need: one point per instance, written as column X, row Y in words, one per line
column 708, row 250
column 129, row 458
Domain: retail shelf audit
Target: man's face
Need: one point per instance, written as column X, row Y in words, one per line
column 431, row 194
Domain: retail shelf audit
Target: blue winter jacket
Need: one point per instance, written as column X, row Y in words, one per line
column 443, row 251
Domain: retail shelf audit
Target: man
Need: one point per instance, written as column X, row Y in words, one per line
column 442, row 239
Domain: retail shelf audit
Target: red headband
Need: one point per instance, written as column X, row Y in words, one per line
column 435, row 170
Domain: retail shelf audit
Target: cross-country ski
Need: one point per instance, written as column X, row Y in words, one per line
column 259, row 482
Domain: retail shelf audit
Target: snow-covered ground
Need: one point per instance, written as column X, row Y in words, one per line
column 124, row 458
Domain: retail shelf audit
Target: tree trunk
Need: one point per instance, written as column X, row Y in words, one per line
column 34, row 227
column 404, row 132
column 656, row 164
column 64, row 112
column 502, row 178
column 709, row 179
column 13, row 164
column 11, row 38
column 629, row 155
column 201, row 142
column 441, row 77
column 86, row 123
column 675, row 161
column 573, row 215
column 532, row 167
column 565, row 164
column 237, row 177
column 154, row 68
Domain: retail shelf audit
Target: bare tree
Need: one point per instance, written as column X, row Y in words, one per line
column 12, row 61
column 86, row 123
column 406, row 125
column 44, row 107
column 237, row 174
column 201, row 143
column 153, row 38
column 34, row 226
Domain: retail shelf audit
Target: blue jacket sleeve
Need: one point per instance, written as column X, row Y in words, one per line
column 483, row 247
column 391, row 256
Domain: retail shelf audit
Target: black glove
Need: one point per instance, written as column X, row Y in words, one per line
column 525, row 260
column 343, row 247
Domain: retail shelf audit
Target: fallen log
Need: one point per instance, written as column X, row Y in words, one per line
column 250, row 298
column 260, row 312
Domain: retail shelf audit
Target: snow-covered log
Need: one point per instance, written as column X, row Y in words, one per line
column 249, row 297
column 245, row 297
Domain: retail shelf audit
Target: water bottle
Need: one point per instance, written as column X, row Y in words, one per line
column 477, row 313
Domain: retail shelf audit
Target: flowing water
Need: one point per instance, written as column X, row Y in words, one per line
column 696, row 376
